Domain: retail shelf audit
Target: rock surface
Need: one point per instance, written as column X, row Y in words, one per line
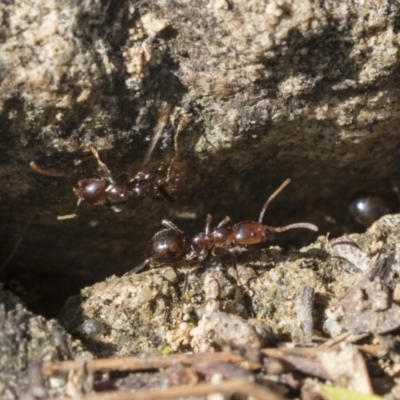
column 141, row 312
column 275, row 89
column 26, row 340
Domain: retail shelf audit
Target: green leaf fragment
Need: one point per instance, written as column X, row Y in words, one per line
column 339, row 393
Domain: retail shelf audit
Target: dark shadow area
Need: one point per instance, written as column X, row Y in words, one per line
column 56, row 258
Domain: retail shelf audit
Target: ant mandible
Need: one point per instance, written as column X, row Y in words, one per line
column 171, row 246
column 114, row 193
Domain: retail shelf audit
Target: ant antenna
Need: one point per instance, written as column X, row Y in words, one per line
column 184, row 120
column 101, row 164
column 162, row 121
column 46, row 172
column 272, row 197
column 304, row 225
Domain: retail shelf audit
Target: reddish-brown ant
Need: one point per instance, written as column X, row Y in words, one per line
column 114, row 193
column 171, row 246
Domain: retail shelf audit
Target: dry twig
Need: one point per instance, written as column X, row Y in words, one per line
column 138, row 363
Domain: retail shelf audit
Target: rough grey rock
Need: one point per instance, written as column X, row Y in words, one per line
column 275, row 89
column 26, row 340
column 141, row 312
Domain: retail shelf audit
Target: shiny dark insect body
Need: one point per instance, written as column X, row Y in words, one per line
column 114, row 193
column 367, row 208
column 171, row 246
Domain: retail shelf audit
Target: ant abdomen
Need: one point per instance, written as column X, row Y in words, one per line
column 252, row 233
column 92, row 190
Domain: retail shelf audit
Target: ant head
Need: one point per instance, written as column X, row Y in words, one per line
column 167, row 246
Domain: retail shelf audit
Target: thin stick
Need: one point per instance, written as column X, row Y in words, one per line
column 301, row 225
column 162, row 121
column 201, row 389
column 272, row 197
column 46, row 172
column 138, row 363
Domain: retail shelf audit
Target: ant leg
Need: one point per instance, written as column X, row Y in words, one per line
column 176, row 157
column 221, row 251
column 302, row 225
column 70, row 216
column 102, row 165
column 168, row 224
column 163, row 191
column 137, row 269
column 185, row 287
column 224, row 221
column 185, row 283
column 161, row 122
column 65, row 217
column 272, row 197
column 184, row 290
column 208, row 224
column 139, row 205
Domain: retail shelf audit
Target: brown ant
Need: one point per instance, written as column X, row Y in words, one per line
column 171, row 246
column 114, row 193
column 367, row 208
